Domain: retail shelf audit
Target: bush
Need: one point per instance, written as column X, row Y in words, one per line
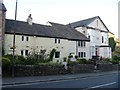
column 72, row 63
column 116, row 58
column 82, row 61
column 6, row 62
column 115, row 61
column 52, row 54
column 6, row 66
column 19, row 60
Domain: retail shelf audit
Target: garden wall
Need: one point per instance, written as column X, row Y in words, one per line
column 81, row 68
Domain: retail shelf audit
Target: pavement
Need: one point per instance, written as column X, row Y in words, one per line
column 35, row 79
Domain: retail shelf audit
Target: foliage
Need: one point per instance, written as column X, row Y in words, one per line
column 6, row 62
column 52, row 54
column 3, row 51
column 64, row 59
column 115, row 61
column 72, row 63
column 112, row 43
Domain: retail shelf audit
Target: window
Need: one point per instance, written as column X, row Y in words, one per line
column 82, row 54
column 89, row 36
column 22, row 52
column 57, row 54
column 57, row 40
column 27, row 38
column 81, row 43
column 26, row 52
column 102, row 39
column 22, row 38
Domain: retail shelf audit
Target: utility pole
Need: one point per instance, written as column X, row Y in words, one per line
column 13, row 60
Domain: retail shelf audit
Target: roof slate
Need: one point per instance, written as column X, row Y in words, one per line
column 54, row 31
column 85, row 22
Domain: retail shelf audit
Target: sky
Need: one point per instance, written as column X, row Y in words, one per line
column 65, row 11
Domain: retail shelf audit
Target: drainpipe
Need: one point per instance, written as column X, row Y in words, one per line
column 76, row 48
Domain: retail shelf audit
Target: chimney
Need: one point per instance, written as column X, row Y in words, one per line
column 29, row 20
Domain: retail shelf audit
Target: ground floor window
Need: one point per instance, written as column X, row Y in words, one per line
column 57, row 54
column 24, row 52
column 82, row 54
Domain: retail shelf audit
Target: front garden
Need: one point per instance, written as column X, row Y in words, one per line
column 36, row 65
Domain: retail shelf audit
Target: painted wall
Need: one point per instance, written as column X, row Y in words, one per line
column 97, row 38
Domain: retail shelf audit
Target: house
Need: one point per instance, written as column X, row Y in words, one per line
column 115, row 38
column 95, row 29
column 32, row 38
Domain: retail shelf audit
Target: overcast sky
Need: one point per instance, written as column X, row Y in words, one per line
column 65, row 11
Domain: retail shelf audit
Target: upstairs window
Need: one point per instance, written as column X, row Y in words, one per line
column 81, row 43
column 57, row 41
column 22, row 38
column 102, row 39
column 27, row 38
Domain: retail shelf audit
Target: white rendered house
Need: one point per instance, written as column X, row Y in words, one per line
column 96, row 30
column 33, row 37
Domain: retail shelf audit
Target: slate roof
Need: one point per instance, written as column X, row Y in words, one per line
column 55, row 31
column 85, row 22
column 2, row 7
column 68, row 32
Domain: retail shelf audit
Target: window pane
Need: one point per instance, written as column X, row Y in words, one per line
column 81, row 43
column 55, row 40
column 26, row 52
column 26, row 38
column 78, row 43
column 84, row 44
column 57, row 54
column 81, row 54
column 84, row 54
column 102, row 39
column 22, row 38
column 58, row 40
column 22, row 52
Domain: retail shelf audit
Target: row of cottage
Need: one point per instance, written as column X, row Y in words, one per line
column 86, row 38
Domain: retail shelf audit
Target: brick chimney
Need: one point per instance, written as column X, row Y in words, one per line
column 29, row 19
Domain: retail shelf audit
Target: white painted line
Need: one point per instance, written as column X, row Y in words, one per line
column 103, row 85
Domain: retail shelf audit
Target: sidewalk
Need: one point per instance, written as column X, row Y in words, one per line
column 33, row 79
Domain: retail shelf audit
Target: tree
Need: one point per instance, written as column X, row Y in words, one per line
column 112, row 43
column 52, row 54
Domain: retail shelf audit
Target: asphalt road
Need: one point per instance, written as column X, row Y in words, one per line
column 87, row 83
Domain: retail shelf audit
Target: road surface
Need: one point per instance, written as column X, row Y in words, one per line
column 106, row 81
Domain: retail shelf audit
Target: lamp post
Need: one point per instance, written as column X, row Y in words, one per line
column 14, row 40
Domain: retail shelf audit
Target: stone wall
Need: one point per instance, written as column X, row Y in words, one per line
column 81, row 68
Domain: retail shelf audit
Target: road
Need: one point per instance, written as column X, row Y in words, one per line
column 98, row 81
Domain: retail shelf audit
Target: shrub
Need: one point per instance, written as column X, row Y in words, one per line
column 115, row 61
column 6, row 62
column 52, row 54
column 65, row 59
column 19, row 60
column 72, row 63
column 82, row 61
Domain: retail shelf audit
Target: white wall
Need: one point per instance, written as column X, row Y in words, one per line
column 96, row 38
column 65, row 47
